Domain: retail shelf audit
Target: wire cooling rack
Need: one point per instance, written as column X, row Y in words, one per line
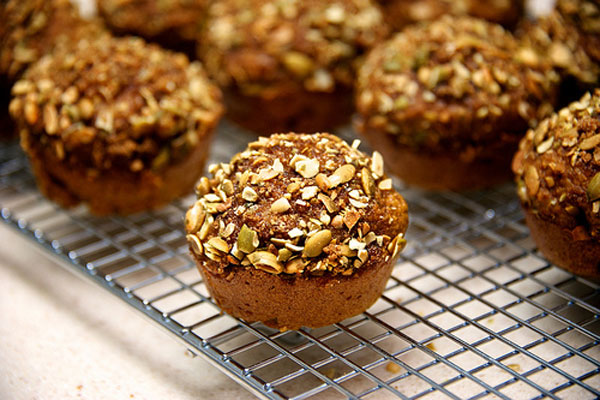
column 471, row 310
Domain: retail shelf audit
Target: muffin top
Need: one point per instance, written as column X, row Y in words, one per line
column 265, row 46
column 297, row 204
column 457, row 79
column 558, row 168
column 31, row 28
column 116, row 102
column 151, row 18
column 559, row 40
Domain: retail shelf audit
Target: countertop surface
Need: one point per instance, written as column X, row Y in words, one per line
column 64, row 338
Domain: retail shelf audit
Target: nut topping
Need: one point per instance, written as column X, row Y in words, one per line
column 265, row 261
column 323, row 224
column 307, row 167
column 593, row 189
column 280, row 206
column 316, row 243
column 194, row 218
column 247, row 240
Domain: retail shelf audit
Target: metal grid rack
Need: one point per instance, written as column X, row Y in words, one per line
column 471, row 311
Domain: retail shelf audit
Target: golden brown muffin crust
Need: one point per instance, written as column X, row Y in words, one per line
column 32, row 28
column 297, row 204
column 558, row 168
column 116, row 103
column 458, row 85
column 263, row 47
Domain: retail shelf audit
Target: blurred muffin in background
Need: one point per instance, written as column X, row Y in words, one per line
column 447, row 102
column 400, row 13
column 584, row 14
column 32, row 28
column 28, row 30
column 172, row 23
column 116, row 123
column 288, row 65
column 561, row 43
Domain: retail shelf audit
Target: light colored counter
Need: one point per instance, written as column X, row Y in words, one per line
column 63, row 338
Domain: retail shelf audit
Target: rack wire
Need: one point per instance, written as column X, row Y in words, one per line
column 472, row 309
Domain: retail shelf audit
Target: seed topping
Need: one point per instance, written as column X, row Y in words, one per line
column 312, row 216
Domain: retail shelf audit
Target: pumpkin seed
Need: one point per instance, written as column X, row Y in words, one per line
column 227, row 187
column 249, row 194
column 195, row 244
column 363, row 256
column 341, row 175
column 593, row 189
column 297, row 63
column 247, row 240
column 309, row 192
column 295, row 233
column 547, row 145
column 590, row 142
column 368, row 183
column 283, row 255
column 397, row 245
column 351, row 218
column 265, row 261
column 194, row 218
column 203, row 186
column 385, row 184
column 293, row 187
column 532, row 180
column 329, row 204
column 295, row 266
column 346, row 251
column 218, row 244
column 308, row 168
column 281, row 205
column 322, row 181
column 377, row 164
column 50, row 119
column 315, row 244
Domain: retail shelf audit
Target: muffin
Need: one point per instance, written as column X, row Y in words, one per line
column 172, row 23
column 585, row 14
column 446, row 103
column 288, row 65
column 297, row 230
column 557, row 171
column 116, row 123
column 32, row 28
column 401, row 13
column 560, row 42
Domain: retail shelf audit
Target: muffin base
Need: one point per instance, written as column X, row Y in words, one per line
column 114, row 191
column 290, row 111
column 580, row 257
column 300, row 301
column 439, row 171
